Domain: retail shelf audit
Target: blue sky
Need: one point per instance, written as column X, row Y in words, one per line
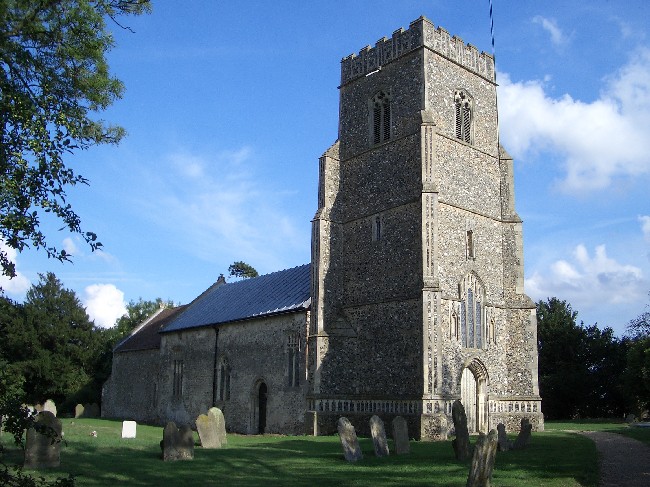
column 228, row 106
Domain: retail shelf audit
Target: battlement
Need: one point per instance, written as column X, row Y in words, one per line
column 421, row 33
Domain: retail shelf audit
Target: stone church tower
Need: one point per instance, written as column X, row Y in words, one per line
column 417, row 259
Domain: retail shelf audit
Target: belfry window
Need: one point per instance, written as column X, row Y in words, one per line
column 380, row 117
column 463, row 116
column 473, row 326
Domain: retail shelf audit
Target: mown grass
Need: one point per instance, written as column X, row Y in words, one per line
column 555, row 458
column 638, row 433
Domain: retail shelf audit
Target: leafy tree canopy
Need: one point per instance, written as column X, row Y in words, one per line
column 53, row 79
column 242, row 270
column 639, row 327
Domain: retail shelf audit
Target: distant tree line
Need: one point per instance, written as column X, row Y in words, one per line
column 586, row 372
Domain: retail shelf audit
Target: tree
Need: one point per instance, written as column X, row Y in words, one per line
column 637, row 371
column 242, row 270
column 53, row 78
column 50, row 342
column 579, row 367
column 639, row 327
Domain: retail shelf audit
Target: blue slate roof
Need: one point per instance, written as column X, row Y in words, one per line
column 278, row 292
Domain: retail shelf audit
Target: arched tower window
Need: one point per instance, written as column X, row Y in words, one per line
column 463, row 116
column 380, row 117
column 472, row 309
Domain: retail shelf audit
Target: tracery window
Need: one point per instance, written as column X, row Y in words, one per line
column 293, row 354
column 377, row 228
column 380, row 114
column 473, row 331
column 463, row 115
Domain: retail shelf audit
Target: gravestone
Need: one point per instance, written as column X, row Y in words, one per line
column 221, row 424
column 523, row 436
column 504, row 444
column 630, row 418
column 401, row 436
column 349, row 440
column 78, row 411
column 177, row 444
column 128, row 429
column 485, row 451
column 378, row 433
column 206, row 426
column 50, row 406
column 461, row 442
column 43, row 445
column 91, row 411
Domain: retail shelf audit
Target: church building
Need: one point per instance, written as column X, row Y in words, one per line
column 414, row 297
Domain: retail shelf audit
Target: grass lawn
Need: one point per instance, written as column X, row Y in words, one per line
column 636, row 432
column 553, row 458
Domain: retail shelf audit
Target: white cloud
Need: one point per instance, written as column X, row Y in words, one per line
column 104, row 304
column 558, row 38
column 70, row 246
column 589, row 281
column 645, row 227
column 18, row 285
column 599, row 142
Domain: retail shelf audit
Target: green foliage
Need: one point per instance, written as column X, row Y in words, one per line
column 49, row 341
column 579, row 367
column 639, row 327
column 637, row 375
column 242, row 270
column 53, row 78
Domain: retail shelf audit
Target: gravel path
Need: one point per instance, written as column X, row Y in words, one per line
column 625, row 462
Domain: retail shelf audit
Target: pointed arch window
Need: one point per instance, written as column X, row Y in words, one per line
column 224, row 380
column 472, row 334
column 293, row 354
column 380, row 122
column 463, row 116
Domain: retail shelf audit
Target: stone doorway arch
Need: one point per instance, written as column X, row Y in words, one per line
column 473, row 395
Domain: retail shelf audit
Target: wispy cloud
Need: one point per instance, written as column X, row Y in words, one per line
column 558, row 37
column 598, row 141
column 589, row 281
column 104, row 304
column 218, row 207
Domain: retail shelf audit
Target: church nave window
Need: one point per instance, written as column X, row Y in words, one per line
column 177, row 386
column 224, row 380
column 293, row 354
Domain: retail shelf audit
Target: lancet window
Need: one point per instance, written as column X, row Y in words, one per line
column 473, row 325
column 463, row 116
column 380, row 117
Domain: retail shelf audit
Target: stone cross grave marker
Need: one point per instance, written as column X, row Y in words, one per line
column 349, row 440
column 378, row 433
column 43, row 445
column 401, row 436
column 221, row 424
column 461, row 442
column 524, row 435
column 177, row 444
column 485, row 451
column 504, row 444
column 128, row 429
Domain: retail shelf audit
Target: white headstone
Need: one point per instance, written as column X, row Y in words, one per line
column 128, row 429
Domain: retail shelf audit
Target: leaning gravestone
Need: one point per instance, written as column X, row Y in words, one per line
column 221, row 424
column 177, row 444
column 129, row 429
column 504, row 444
column 43, row 446
column 523, row 436
column 50, row 406
column 378, row 433
column 461, row 442
column 401, row 436
column 206, row 426
column 78, row 411
column 349, row 441
column 485, row 451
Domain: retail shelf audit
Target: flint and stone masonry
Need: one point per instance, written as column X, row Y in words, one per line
column 417, row 259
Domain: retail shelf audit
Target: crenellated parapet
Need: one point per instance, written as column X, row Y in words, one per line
column 421, row 33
